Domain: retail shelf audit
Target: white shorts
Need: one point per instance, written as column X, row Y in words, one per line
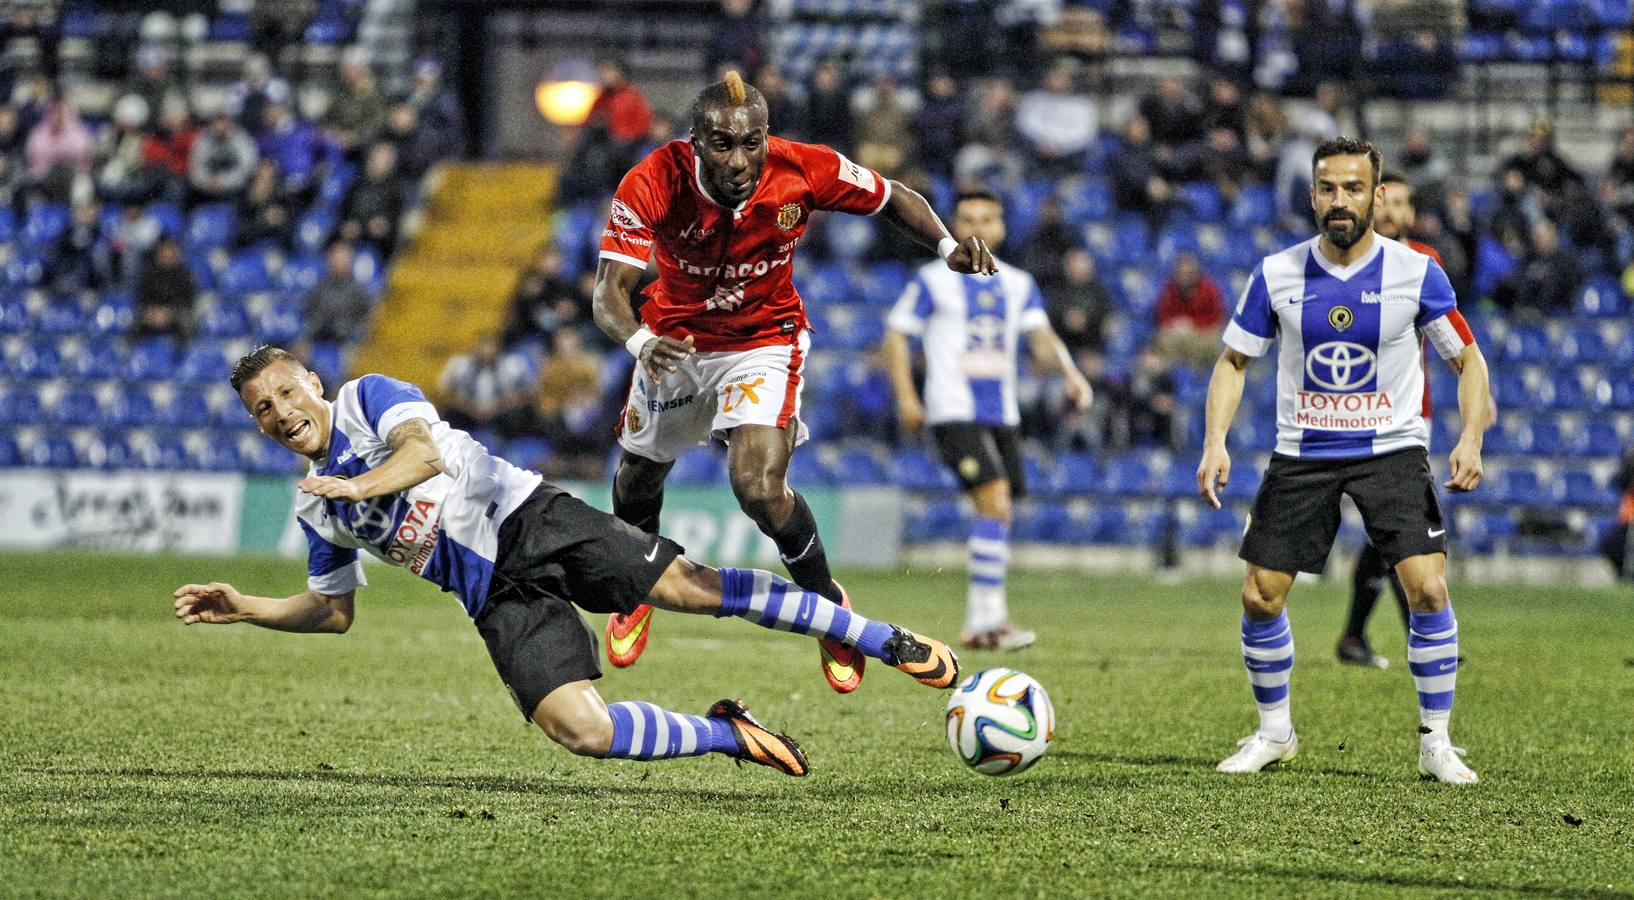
column 710, row 394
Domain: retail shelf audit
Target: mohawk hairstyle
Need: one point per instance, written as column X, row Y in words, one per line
column 250, row 364
column 731, row 91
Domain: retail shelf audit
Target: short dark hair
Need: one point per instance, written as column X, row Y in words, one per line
column 977, row 194
column 1395, row 178
column 1348, row 146
column 728, row 92
column 250, row 364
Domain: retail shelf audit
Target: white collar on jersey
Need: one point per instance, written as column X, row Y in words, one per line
column 698, row 176
column 1343, row 273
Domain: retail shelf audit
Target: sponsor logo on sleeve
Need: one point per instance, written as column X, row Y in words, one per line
column 625, row 218
column 851, row 173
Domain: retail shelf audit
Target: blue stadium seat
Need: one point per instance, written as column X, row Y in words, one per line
column 1131, row 240
column 1541, row 437
column 52, row 451
column 1075, row 473
column 1087, row 200
column 10, row 454
column 912, row 468
column 25, row 269
column 1041, row 522
column 1562, row 392
column 203, row 363
column 858, row 465
column 1127, row 476
column 313, row 229
column 231, row 26
column 1581, row 344
column 61, row 317
column 76, row 408
column 131, row 408
column 369, row 269
column 700, row 465
column 14, row 317
column 95, row 360
column 20, row 406
column 111, row 317
column 884, row 282
column 1204, row 200
column 1602, row 297
column 8, row 224
column 44, row 223
column 38, row 359
column 1526, row 344
column 166, row 452
column 226, row 318
column 945, row 521
column 1578, row 487
column 211, row 226
column 279, row 324
column 325, row 359
column 827, row 283
column 1509, row 389
column 110, row 450
column 1595, row 437
column 301, row 274
column 246, row 273
column 152, row 360
column 221, row 456
column 1520, row 486
column 186, row 409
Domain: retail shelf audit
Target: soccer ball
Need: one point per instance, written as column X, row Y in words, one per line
column 1000, row 721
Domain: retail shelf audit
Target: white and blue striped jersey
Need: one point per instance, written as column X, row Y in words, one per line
column 971, row 325
column 1350, row 374
column 445, row 529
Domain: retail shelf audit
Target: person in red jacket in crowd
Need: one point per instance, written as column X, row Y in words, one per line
column 1191, row 310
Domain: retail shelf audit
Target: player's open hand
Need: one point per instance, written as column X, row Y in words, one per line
column 216, row 603
column 331, row 487
column 1465, row 462
column 1213, row 473
column 663, row 354
column 972, row 257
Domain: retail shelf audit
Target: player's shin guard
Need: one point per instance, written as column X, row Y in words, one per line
column 801, row 549
column 644, row 731
column 989, row 548
column 773, row 602
column 1268, row 653
column 1432, row 655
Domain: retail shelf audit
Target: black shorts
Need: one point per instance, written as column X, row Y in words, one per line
column 978, row 454
column 554, row 553
column 1296, row 513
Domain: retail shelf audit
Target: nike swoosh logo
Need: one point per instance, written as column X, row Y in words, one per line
column 623, row 642
column 653, row 553
column 801, row 555
column 1437, row 532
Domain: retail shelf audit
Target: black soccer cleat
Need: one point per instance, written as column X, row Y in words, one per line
column 759, row 744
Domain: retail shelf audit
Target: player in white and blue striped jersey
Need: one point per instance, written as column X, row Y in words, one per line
column 972, row 326
column 1346, row 310
column 388, row 476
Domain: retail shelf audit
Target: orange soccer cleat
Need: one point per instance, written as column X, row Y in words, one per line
column 758, row 744
column 842, row 665
column 928, row 660
column 627, row 635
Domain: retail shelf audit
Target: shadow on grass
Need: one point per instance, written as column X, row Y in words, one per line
column 1200, row 763
column 1391, row 880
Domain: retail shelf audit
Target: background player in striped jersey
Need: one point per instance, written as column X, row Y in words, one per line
column 390, row 477
column 723, row 335
column 971, row 325
column 1346, row 309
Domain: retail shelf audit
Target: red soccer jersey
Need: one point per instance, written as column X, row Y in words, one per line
column 723, row 274
column 1427, row 250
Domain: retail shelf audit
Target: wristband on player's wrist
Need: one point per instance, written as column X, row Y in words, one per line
column 639, row 340
column 945, row 247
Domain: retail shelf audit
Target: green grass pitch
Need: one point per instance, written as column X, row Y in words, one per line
column 140, row 758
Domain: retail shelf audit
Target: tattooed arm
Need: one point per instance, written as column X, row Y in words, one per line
column 414, row 459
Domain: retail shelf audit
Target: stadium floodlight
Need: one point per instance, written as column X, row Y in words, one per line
column 568, row 91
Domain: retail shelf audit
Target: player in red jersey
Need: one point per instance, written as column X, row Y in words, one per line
column 1395, row 217
column 723, row 334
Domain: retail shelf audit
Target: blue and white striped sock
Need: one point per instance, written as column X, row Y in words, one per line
column 1432, row 655
column 985, row 607
column 644, row 731
column 774, row 602
column 1268, row 653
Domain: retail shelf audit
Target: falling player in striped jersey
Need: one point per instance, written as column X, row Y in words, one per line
column 722, row 337
column 971, row 326
column 1347, row 309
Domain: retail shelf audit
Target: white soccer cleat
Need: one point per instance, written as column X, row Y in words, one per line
column 1257, row 751
column 1439, row 759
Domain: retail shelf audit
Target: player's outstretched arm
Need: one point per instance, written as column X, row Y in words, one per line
column 1052, row 355
column 1225, row 393
column 614, row 311
column 910, row 413
column 219, row 603
column 1477, row 412
column 911, row 212
column 414, row 459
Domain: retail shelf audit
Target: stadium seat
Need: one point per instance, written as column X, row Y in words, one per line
column 44, row 223
column 301, row 274
column 1075, row 473
column 130, row 408
column 280, row 323
column 52, row 451
column 1256, row 205
column 1540, row 437
column 325, row 359
column 246, row 273
column 25, row 269
column 1597, row 437
column 1127, row 476
column 1040, row 522
column 186, row 409
column 211, row 226
column 1562, row 392
column 945, row 521
column 111, row 317
column 76, row 408
column 95, row 360
column 14, row 316
column 37, row 359
column 20, row 406
column 165, row 453
column 858, row 465
column 110, row 450
column 10, row 454
column 884, row 283
column 204, row 363
column 700, row 465
column 313, row 229
column 152, row 360
column 1087, row 200
column 1204, row 200
column 1520, row 486
column 914, row 469
column 61, row 317
column 1526, row 344
column 1578, row 487
column 1602, row 297
column 221, row 456
column 169, row 216
column 226, row 318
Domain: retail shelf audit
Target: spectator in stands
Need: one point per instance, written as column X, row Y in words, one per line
column 1293, row 173
column 570, row 408
column 440, row 114
column 1191, row 311
column 151, row 81
column 1149, row 402
column 221, row 163
column 1080, row 305
column 132, row 242
column 1547, row 282
column 80, row 259
column 786, row 114
column 1225, row 164
column 166, row 294
column 417, row 148
column 357, row 113
column 1080, row 34
column 12, row 135
column 13, row 185
column 258, row 90
column 1543, row 168
column 660, row 132
column 1225, row 108
column 484, row 388
column 168, row 151
column 1175, row 117
column 1331, row 100
column 1138, row 184
column 294, row 145
column 1043, row 251
column 1514, row 213
column 736, row 42
column 1423, row 169
column 828, row 108
column 265, row 213
column 883, row 116
column 58, row 151
column 545, row 301
column 33, row 96
column 989, row 157
column 372, row 207
column 939, row 124
column 606, row 146
column 1057, row 122
column 122, row 172
column 1621, row 175
column 1265, row 130
column 338, row 307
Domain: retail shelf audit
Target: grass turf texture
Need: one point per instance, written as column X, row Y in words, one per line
column 139, row 757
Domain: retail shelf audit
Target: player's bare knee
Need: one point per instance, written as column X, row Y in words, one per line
column 1257, row 604
column 762, row 495
column 1428, row 595
column 993, row 501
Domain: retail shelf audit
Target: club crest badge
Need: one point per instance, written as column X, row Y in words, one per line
column 1340, row 317
column 789, row 216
